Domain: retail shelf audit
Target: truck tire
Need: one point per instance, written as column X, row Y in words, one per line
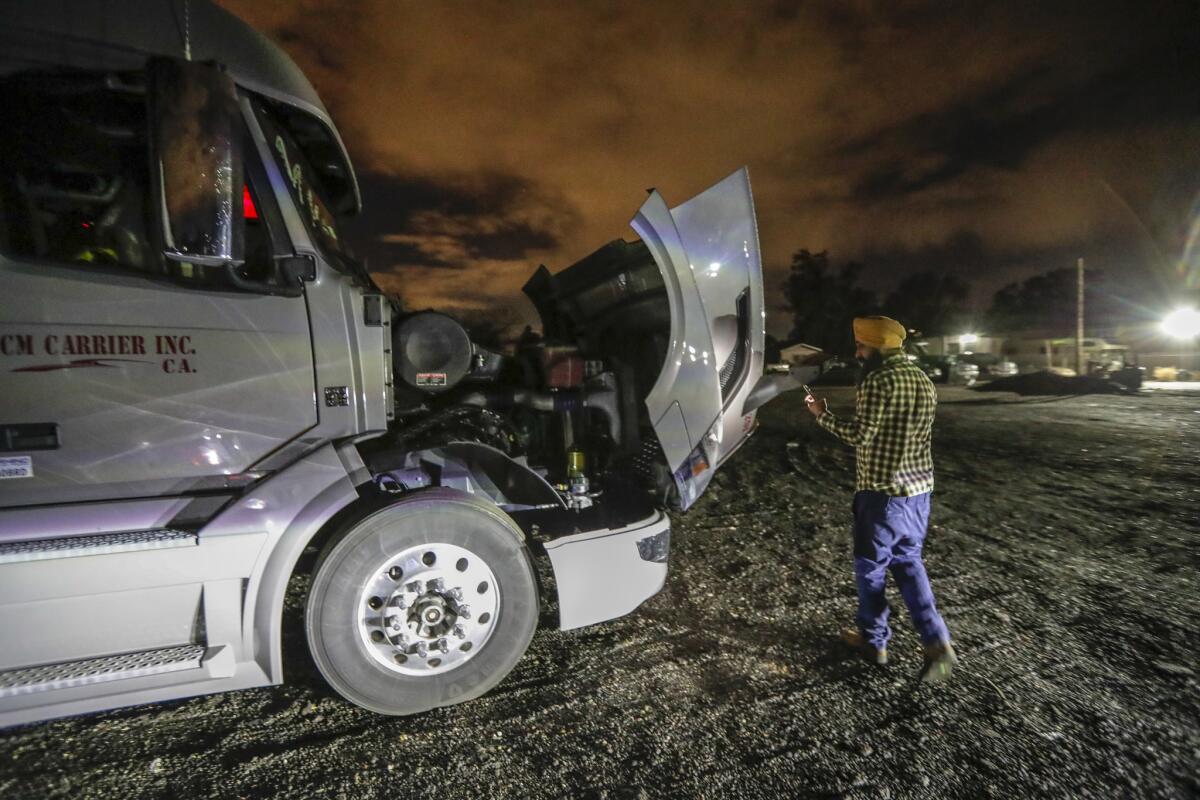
column 427, row 602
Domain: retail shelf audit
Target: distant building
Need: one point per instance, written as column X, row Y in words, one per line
column 956, row 345
column 1036, row 353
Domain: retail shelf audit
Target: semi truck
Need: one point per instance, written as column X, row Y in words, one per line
column 201, row 384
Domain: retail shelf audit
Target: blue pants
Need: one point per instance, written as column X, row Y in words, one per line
column 888, row 534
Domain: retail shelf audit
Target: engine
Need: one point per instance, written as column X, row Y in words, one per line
column 568, row 402
column 566, row 412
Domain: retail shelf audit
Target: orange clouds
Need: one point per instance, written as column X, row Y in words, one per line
column 866, row 126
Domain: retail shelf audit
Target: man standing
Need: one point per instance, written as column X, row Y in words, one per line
column 891, row 432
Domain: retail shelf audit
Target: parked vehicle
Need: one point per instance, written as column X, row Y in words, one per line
column 1033, row 355
column 1130, row 376
column 201, row 382
column 990, row 365
column 941, row 368
column 838, row 371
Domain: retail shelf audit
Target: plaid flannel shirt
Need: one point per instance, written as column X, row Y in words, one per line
column 891, row 429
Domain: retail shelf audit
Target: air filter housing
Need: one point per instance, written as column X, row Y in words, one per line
column 431, row 351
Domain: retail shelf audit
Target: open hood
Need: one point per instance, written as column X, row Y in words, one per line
column 681, row 314
column 707, row 252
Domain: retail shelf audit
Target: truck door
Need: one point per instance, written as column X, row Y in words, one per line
column 121, row 378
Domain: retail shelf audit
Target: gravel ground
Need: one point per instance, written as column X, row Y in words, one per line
column 1063, row 552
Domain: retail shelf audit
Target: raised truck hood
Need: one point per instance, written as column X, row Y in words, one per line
column 684, row 309
column 707, row 252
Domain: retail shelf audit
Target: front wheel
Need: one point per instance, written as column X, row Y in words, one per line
column 427, row 602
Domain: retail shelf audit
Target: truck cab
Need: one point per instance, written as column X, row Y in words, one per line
column 202, row 383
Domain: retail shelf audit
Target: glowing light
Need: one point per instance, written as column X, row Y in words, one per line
column 714, row 268
column 249, row 210
column 1182, row 323
column 967, row 338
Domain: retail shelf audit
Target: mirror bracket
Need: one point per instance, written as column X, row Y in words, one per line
column 296, row 269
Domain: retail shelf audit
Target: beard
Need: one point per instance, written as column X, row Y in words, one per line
column 868, row 365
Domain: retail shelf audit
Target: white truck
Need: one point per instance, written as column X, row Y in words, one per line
column 200, row 382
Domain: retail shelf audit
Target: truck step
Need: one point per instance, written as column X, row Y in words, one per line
column 28, row 680
column 99, row 544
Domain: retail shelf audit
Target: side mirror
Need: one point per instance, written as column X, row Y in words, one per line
column 196, row 161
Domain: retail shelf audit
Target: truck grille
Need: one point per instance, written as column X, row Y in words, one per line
column 735, row 364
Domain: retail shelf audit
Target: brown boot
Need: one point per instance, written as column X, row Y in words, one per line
column 940, row 660
column 871, row 654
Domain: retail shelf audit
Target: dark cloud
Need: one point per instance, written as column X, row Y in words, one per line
column 493, row 216
column 1001, row 126
column 442, row 228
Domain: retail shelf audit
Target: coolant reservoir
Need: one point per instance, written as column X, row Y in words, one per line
column 575, row 463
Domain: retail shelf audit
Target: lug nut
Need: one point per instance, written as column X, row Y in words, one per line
column 402, row 642
column 456, row 593
column 442, row 645
column 436, row 585
column 464, row 612
column 422, row 650
column 393, row 622
column 459, row 632
column 399, row 602
column 415, row 587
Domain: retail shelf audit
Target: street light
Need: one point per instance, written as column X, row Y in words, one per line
column 1182, row 323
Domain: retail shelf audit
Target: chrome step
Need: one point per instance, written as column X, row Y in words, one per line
column 99, row 544
column 47, row 677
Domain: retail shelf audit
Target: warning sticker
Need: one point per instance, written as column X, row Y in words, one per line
column 16, row 467
column 431, row 379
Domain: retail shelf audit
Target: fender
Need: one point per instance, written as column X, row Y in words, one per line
column 308, row 495
column 471, row 467
column 293, row 506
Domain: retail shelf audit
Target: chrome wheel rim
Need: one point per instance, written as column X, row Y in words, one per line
column 428, row 609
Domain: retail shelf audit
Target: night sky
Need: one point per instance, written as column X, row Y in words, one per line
column 993, row 140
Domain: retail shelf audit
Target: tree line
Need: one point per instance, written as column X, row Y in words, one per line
column 824, row 298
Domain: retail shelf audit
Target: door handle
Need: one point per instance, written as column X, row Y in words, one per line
column 29, row 436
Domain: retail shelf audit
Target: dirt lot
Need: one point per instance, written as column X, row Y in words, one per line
column 1064, row 556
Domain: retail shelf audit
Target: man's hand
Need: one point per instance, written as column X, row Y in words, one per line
column 816, row 406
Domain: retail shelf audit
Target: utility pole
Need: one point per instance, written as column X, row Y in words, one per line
column 1079, row 318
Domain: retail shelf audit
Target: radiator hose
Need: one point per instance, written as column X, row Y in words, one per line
column 602, row 396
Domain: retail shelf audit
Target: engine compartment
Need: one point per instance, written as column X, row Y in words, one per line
column 567, row 403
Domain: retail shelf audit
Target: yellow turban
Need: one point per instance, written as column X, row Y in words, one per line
column 883, row 333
